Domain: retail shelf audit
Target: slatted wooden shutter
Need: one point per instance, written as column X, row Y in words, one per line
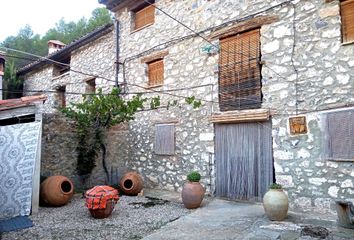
column 340, row 135
column 240, row 76
column 165, row 139
column 156, row 72
column 347, row 13
column 144, row 17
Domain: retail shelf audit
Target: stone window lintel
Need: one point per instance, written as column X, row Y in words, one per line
column 239, row 27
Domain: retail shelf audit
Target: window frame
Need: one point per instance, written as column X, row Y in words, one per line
column 232, row 84
column 60, row 69
column 163, row 150
column 145, row 7
column 60, row 96
column 156, row 82
column 346, row 24
column 90, row 86
column 329, row 153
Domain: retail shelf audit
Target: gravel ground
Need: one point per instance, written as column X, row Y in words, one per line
column 132, row 218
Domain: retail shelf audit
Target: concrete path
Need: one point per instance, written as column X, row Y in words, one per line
column 220, row 219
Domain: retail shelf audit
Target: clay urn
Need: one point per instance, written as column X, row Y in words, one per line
column 276, row 203
column 100, row 201
column 193, row 191
column 131, row 183
column 56, row 190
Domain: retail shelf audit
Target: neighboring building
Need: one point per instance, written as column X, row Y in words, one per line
column 90, row 56
column 276, row 80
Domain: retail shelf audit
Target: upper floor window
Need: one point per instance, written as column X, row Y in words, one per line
column 90, row 86
column 60, row 98
column 144, row 15
column 347, row 14
column 240, row 72
column 156, row 72
column 60, row 69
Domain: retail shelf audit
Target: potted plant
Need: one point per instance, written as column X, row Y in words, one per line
column 193, row 191
column 275, row 203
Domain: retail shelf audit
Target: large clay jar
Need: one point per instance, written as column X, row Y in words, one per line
column 192, row 194
column 56, row 190
column 131, row 183
column 276, row 204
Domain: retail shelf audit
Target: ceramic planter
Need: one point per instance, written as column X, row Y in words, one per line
column 276, row 204
column 192, row 194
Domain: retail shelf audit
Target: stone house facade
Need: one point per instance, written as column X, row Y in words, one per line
column 276, row 83
column 90, row 64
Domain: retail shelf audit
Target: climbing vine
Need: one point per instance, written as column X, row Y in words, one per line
column 95, row 114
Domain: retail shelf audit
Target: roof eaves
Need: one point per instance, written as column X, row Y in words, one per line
column 21, row 102
column 67, row 49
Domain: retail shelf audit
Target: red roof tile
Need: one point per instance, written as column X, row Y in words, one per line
column 20, row 102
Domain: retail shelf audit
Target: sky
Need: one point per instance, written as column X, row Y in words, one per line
column 41, row 15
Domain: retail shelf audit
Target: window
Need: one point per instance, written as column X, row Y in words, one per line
column 156, row 72
column 164, row 139
column 60, row 69
column 91, row 86
column 144, row 15
column 347, row 14
column 339, row 140
column 240, row 72
column 60, row 100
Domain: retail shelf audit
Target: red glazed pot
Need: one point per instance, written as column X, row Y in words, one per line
column 56, row 190
column 131, row 183
column 192, row 194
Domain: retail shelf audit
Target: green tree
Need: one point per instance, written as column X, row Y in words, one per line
column 27, row 41
column 93, row 117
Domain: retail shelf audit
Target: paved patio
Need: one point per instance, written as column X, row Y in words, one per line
column 221, row 219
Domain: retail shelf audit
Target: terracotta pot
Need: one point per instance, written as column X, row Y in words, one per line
column 103, row 213
column 131, row 183
column 192, row 194
column 276, row 204
column 56, row 190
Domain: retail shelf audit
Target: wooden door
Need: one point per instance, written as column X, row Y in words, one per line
column 244, row 160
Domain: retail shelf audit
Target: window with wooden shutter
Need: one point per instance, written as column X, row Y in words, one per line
column 144, row 17
column 164, row 139
column 240, row 72
column 339, row 135
column 156, row 72
column 347, row 14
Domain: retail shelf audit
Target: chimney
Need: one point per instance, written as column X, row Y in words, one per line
column 54, row 45
column 2, row 71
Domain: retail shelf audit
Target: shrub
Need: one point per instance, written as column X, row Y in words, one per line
column 194, row 176
column 275, row 186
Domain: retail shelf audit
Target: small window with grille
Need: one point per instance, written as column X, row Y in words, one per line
column 240, row 72
column 143, row 16
column 156, row 72
column 339, row 135
column 164, row 139
column 347, row 15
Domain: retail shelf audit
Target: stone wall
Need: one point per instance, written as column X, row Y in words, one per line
column 59, row 143
column 305, row 66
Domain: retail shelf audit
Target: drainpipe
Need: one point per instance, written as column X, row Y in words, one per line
column 117, row 52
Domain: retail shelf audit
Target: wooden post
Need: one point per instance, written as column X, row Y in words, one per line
column 2, row 72
column 37, row 168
